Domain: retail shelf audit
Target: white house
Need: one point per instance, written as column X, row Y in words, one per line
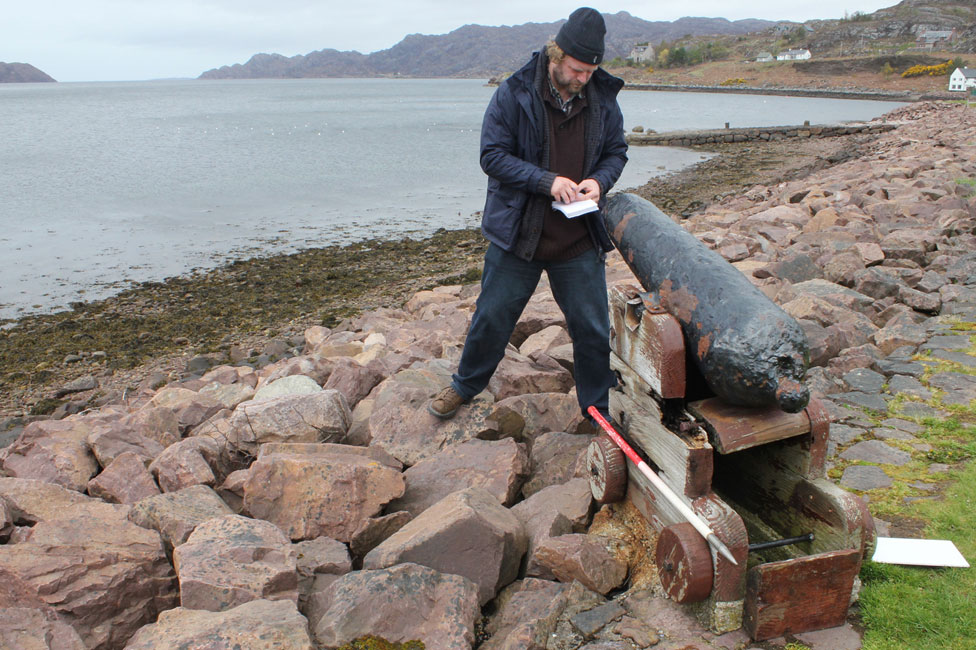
column 643, row 53
column 793, row 55
column 962, row 79
column 764, row 57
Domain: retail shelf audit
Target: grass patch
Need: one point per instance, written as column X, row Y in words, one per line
column 971, row 182
column 921, row 608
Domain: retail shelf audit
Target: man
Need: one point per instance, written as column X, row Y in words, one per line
column 553, row 131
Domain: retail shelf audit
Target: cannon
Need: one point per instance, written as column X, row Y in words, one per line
column 728, row 427
column 748, row 350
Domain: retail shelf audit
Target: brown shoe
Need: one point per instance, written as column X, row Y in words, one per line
column 445, row 403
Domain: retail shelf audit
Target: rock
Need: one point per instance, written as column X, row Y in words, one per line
column 467, row 533
column 864, row 380
column 318, row 369
column 795, row 269
column 124, row 480
column 527, row 614
column 862, row 400
column 958, row 388
column 544, row 340
column 159, row 424
column 591, row 621
column 256, row 625
column 329, row 449
column 191, row 408
column 865, row 477
column 399, row 421
column 870, row 252
column 554, row 459
column 892, row 337
column 585, row 558
column 228, row 395
column 402, row 603
column 929, row 303
column 29, row 501
column 875, row 451
column 287, row 386
column 518, row 375
column 176, row 514
column 230, row 560
column 186, row 463
column 551, row 512
column 353, row 380
column 321, row 555
column 323, row 416
column 900, row 384
column 79, row 385
column 108, row 442
column 103, row 575
column 500, row 467
column 372, row 532
column 28, row 628
column 310, row 496
column 542, row 412
column 54, row 451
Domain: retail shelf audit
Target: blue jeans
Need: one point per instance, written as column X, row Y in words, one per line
column 580, row 288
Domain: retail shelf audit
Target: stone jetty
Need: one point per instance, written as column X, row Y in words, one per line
column 312, row 500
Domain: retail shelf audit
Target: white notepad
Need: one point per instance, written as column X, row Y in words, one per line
column 576, row 208
column 918, row 552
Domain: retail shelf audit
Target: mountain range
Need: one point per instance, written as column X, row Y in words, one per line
column 473, row 51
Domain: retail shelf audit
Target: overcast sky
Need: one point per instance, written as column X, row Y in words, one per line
column 109, row 40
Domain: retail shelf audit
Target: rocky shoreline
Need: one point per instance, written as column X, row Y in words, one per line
column 231, row 493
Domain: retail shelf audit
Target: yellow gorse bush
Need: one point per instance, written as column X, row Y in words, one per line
column 930, row 70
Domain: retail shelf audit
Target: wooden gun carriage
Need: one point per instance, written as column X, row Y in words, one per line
column 755, row 474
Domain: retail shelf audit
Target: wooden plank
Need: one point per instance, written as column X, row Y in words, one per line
column 793, row 504
column 734, row 428
column 729, row 579
column 648, row 340
column 685, row 462
column 792, row 596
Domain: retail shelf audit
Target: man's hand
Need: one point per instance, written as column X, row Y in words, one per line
column 588, row 189
column 564, row 190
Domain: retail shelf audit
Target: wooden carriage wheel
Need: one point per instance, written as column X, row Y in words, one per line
column 607, row 469
column 684, row 563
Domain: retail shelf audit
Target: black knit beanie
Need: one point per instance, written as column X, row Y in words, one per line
column 582, row 35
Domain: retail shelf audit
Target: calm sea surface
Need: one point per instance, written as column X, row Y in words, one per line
column 107, row 184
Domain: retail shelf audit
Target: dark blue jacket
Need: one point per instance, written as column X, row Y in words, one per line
column 515, row 152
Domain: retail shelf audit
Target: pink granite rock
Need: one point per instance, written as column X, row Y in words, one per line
column 186, row 463
column 104, row 576
column 500, row 467
column 402, row 603
column 256, row 625
column 467, row 533
column 54, row 451
column 124, row 480
column 190, row 407
column 176, row 514
column 585, row 558
column 517, row 375
column 24, row 628
column 320, row 417
column 551, row 512
column 542, row 412
column 310, row 496
column 353, row 380
column 230, row 560
column 555, row 459
column 543, row 340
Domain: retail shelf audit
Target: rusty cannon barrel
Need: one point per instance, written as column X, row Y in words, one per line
column 750, row 352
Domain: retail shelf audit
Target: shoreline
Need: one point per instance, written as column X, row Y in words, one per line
column 825, row 93
column 234, row 310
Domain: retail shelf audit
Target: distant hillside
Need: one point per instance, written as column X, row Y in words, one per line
column 896, row 29
column 473, row 50
column 21, row 73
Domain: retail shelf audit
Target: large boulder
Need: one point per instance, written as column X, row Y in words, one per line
column 256, row 625
column 176, row 514
column 585, row 558
column 191, row 408
column 230, row 560
column 402, row 603
column 103, row 575
column 323, row 416
column 124, row 480
column 467, row 533
column 500, row 467
column 310, row 495
column 30, row 628
column 54, row 451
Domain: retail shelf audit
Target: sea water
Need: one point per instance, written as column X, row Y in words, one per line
column 107, row 184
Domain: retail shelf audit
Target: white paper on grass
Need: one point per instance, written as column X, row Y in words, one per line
column 918, row 552
column 576, row 208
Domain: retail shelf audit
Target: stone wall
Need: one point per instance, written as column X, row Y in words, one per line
column 754, row 134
